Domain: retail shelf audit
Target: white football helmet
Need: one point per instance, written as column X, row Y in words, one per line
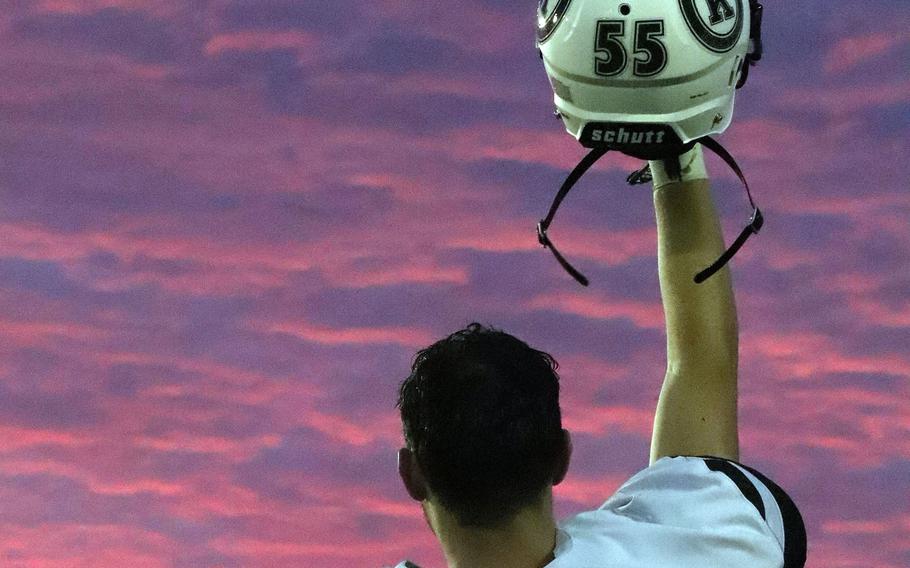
column 650, row 79
column 646, row 77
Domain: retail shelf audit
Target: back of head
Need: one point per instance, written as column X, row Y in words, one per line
column 480, row 412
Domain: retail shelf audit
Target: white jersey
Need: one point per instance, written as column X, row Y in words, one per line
column 686, row 512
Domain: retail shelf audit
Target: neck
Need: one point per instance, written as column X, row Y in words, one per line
column 527, row 541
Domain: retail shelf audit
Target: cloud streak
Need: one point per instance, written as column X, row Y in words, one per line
column 226, row 228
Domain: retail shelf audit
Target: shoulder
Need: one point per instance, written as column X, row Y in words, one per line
column 712, row 500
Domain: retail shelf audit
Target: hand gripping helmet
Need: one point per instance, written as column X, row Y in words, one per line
column 650, row 79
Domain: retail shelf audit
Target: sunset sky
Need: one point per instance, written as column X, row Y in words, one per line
column 227, row 225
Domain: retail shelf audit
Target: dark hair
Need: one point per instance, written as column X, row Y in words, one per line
column 480, row 412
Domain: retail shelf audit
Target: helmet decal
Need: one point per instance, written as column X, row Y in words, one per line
column 607, row 43
column 716, row 24
column 549, row 15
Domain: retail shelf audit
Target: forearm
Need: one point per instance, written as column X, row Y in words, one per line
column 700, row 318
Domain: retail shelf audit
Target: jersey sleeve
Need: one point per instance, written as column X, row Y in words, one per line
column 714, row 500
column 772, row 503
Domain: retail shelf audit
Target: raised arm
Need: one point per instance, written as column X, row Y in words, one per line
column 697, row 409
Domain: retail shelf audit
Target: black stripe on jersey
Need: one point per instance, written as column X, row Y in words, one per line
column 794, row 527
column 739, row 478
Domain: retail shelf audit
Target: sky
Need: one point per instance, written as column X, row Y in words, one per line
column 226, row 226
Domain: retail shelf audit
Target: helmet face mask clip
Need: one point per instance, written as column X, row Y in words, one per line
column 647, row 78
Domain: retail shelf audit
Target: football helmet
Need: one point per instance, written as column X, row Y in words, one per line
column 648, row 78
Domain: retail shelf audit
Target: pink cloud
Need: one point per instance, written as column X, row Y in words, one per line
column 52, row 545
column 858, row 428
column 839, row 543
column 56, row 79
column 292, row 533
column 134, row 487
column 304, row 44
column 405, row 187
column 846, row 100
column 644, row 314
column 12, row 465
column 91, row 476
column 406, row 271
column 219, row 384
column 593, row 370
column 215, row 495
column 389, row 508
column 406, row 337
column 26, row 333
column 340, row 428
column 239, row 449
column 873, row 309
column 790, row 180
column 863, row 527
column 89, row 6
column 760, row 138
column 291, row 552
column 213, row 369
column 800, row 355
column 588, row 492
column 16, row 438
column 222, row 268
column 599, row 420
column 851, row 51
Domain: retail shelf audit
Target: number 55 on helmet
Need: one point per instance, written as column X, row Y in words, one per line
column 648, row 78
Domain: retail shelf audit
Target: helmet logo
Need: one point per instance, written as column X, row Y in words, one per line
column 644, row 141
column 549, row 15
column 715, row 7
column 716, row 24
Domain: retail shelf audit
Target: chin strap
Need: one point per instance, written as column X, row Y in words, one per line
column 544, row 224
column 755, row 222
column 644, row 176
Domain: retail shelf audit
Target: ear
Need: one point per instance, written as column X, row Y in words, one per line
column 409, row 471
column 565, row 457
